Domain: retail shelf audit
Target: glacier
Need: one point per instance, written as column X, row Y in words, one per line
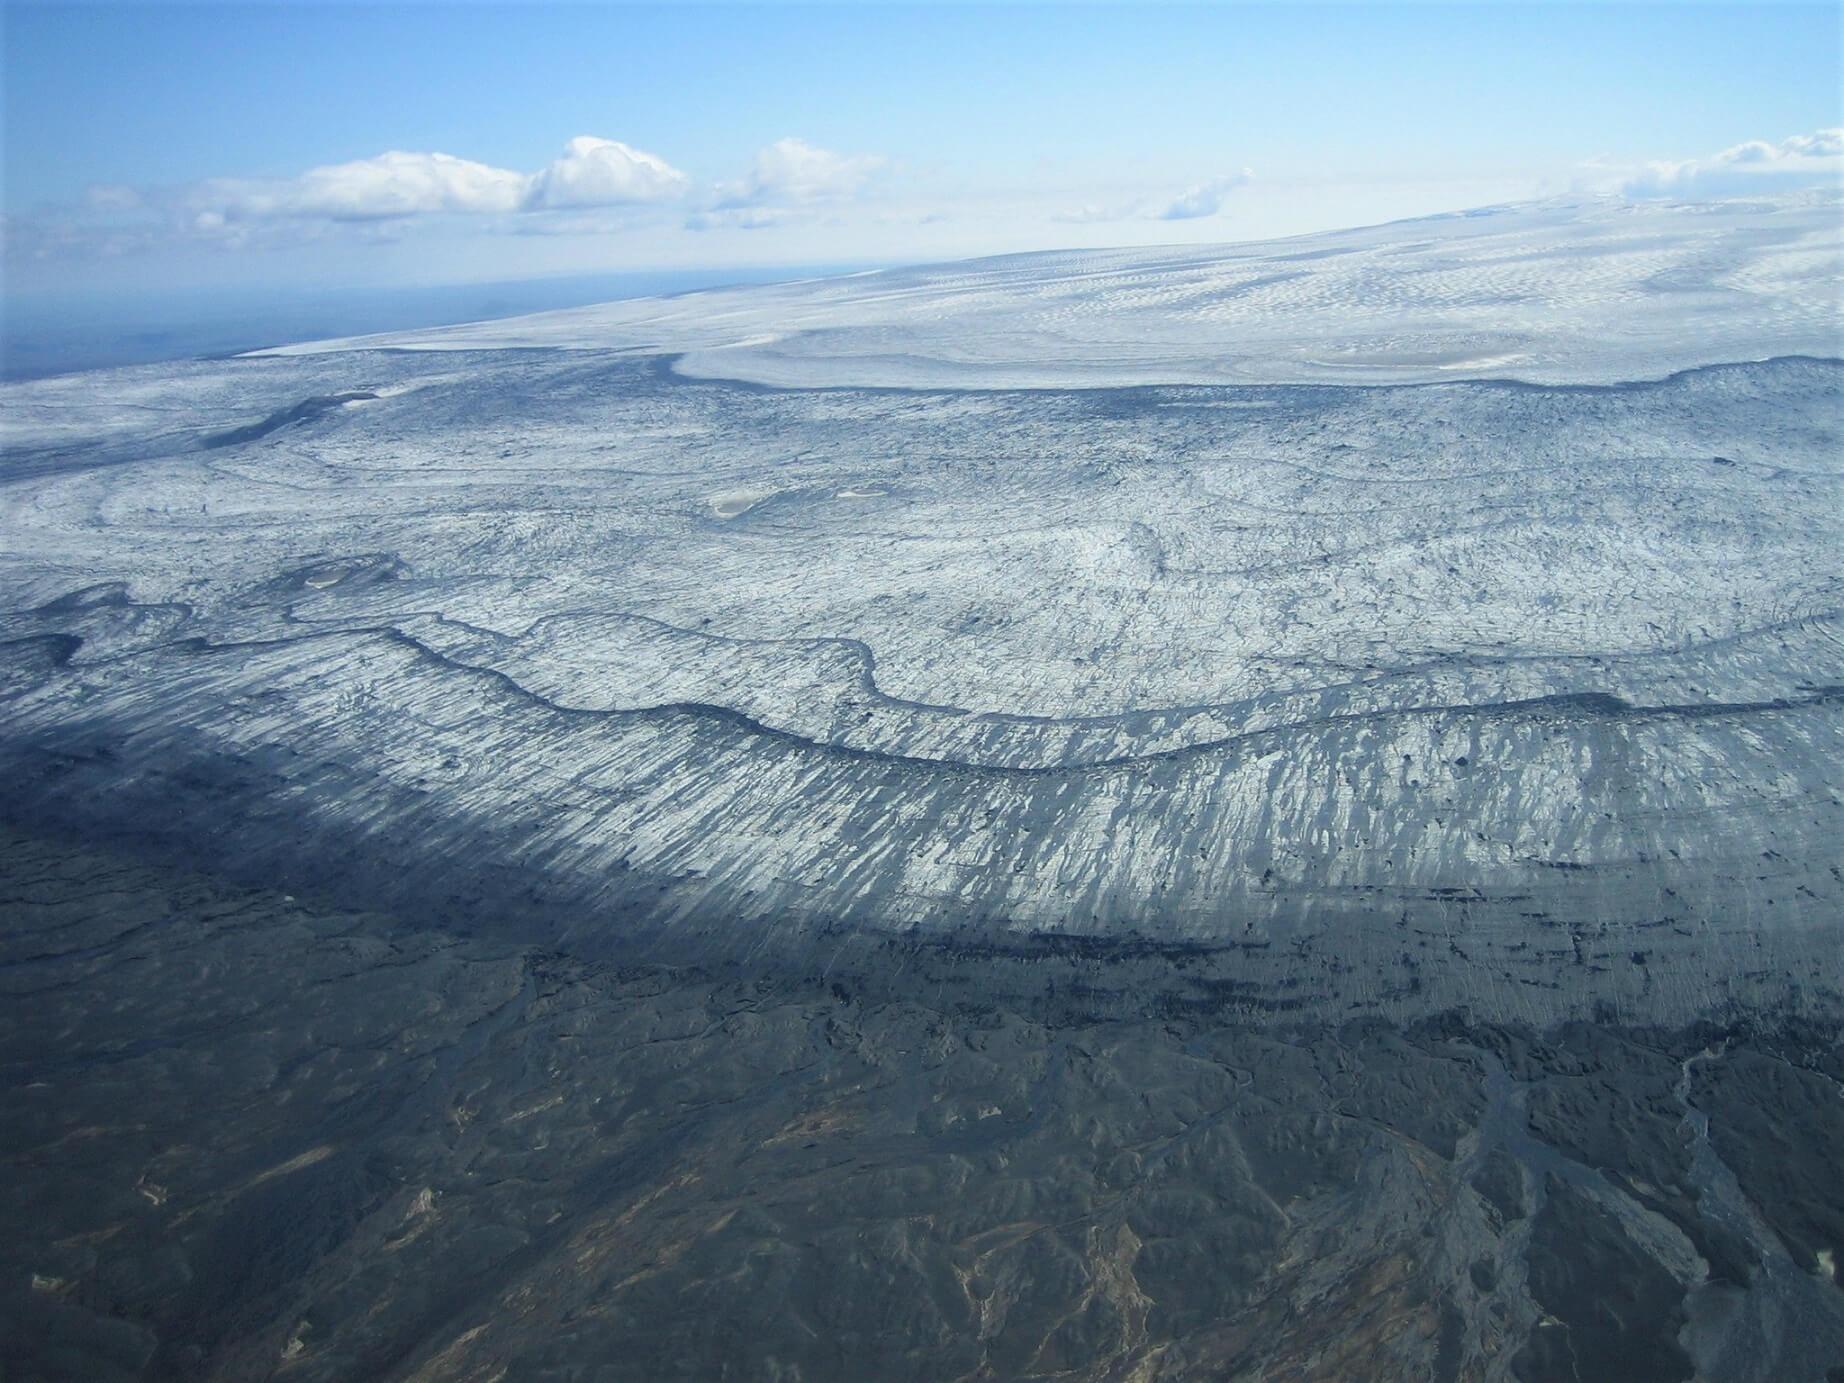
column 1258, row 810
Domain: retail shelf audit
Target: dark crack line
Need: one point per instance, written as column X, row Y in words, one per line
column 1559, row 706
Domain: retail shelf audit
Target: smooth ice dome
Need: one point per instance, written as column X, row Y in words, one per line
column 1567, row 292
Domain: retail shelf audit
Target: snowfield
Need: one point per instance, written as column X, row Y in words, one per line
column 1522, row 696
column 1567, row 292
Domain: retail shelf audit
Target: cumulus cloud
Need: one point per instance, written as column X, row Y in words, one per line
column 1204, row 199
column 1743, row 168
column 592, row 173
column 596, row 186
column 791, row 182
column 794, row 172
column 602, row 172
column 372, row 189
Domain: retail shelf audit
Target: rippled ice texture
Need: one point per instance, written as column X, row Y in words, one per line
column 1387, row 697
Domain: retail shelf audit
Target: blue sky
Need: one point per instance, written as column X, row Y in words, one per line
column 177, row 143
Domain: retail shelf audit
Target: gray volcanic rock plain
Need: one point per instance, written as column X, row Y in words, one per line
column 1271, row 811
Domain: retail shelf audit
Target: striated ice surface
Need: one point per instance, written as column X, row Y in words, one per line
column 1384, row 698
column 1595, row 291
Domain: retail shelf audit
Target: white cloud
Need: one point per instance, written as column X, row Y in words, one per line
column 1743, row 168
column 794, row 172
column 602, row 172
column 592, row 173
column 1827, row 143
column 371, row 198
column 1205, row 199
column 392, row 184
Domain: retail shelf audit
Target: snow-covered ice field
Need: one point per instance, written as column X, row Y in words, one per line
column 1566, row 292
column 1441, row 613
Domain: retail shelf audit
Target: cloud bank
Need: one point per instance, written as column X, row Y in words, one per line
column 794, row 171
column 1205, row 199
column 1744, row 168
column 788, row 182
column 373, row 189
column 592, row 173
column 595, row 186
column 602, row 172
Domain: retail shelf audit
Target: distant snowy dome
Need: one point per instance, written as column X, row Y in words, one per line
column 1552, row 292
